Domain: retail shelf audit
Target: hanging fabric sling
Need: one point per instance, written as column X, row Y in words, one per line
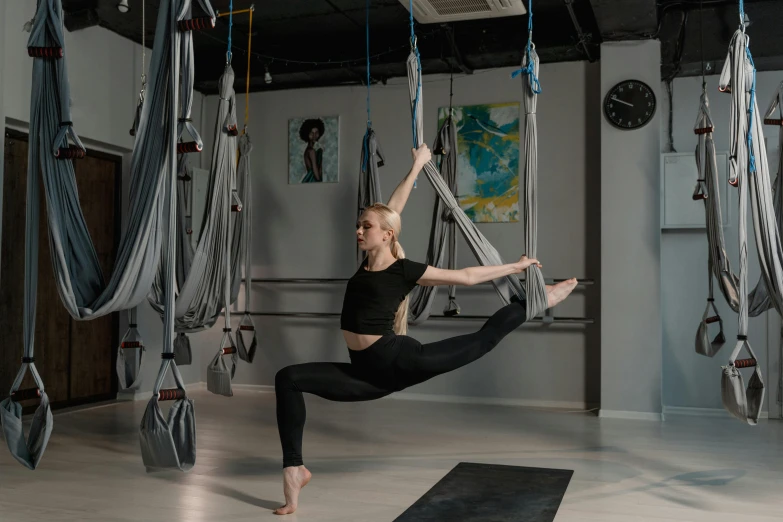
column 707, row 191
column 506, row 287
column 748, row 166
column 535, row 287
column 371, row 159
column 129, row 363
column 247, row 343
column 443, row 227
column 200, row 298
column 219, row 375
column 246, row 330
column 170, row 443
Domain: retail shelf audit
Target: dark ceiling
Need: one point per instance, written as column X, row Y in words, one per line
column 306, row 43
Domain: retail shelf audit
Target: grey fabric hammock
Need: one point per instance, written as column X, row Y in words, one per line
column 443, row 228
column 77, row 272
column 247, row 341
column 371, row 159
column 201, row 274
column 169, row 443
column 508, row 286
column 749, row 167
column 707, row 190
column 227, row 234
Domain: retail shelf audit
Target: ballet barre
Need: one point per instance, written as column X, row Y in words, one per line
column 286, row 280
column 332, row 315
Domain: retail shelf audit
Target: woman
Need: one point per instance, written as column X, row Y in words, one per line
column 310, row 132
column 374, row 323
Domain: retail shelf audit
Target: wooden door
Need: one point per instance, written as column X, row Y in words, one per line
column 75, row 358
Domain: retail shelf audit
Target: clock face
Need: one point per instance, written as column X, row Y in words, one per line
column 629, row 105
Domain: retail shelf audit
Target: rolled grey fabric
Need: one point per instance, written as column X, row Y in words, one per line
column 169, row 443
column 218, row 375
column 247, row 341
column 506, row 287
column 201, row 293
column 443, row 228
column 371, row 159
column 749, row 165
column 535, row 287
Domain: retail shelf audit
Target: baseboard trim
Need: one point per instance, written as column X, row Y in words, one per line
column 493, row 401
column 703, row 412
column 630, row 415
column 424, row 397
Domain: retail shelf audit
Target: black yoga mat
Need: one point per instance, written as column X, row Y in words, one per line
column 492, row 493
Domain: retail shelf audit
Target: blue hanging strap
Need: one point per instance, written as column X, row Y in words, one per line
column 230, row 27
column 528, row 69
column 751, row 156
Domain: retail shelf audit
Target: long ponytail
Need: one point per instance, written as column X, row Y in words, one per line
column 390, row 220
column 401, row 317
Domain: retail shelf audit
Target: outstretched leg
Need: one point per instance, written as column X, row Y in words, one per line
column 333, row 381
column 420, row 362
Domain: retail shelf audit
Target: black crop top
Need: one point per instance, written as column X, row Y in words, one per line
column 372, row 298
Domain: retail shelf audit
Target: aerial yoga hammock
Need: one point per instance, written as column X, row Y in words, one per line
column 247, row 340
column 507, row 287
column 749, row 166
column 208, row 279
column 129, row 364
column 80, row 282
column 443, row 225
column 171, row 443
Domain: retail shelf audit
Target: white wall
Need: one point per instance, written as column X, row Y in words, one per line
column 104, row 71
column 691, row 380
column 308, row 231
column 630, row 245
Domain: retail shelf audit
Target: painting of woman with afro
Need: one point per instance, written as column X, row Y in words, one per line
column 312, row 150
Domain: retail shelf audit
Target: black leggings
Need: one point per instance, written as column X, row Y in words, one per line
column 392, row 363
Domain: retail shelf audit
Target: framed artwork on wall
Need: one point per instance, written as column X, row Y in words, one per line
column 487, row 160
column 313, row 150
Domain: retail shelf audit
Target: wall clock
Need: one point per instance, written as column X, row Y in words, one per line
column 629, row 105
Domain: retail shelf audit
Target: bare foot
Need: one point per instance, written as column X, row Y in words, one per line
column 294, row 479
column 557, row 293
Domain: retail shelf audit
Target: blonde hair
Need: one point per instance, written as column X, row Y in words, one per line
column 390, row 220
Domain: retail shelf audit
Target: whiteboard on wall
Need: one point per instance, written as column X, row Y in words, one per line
column 678, row 181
